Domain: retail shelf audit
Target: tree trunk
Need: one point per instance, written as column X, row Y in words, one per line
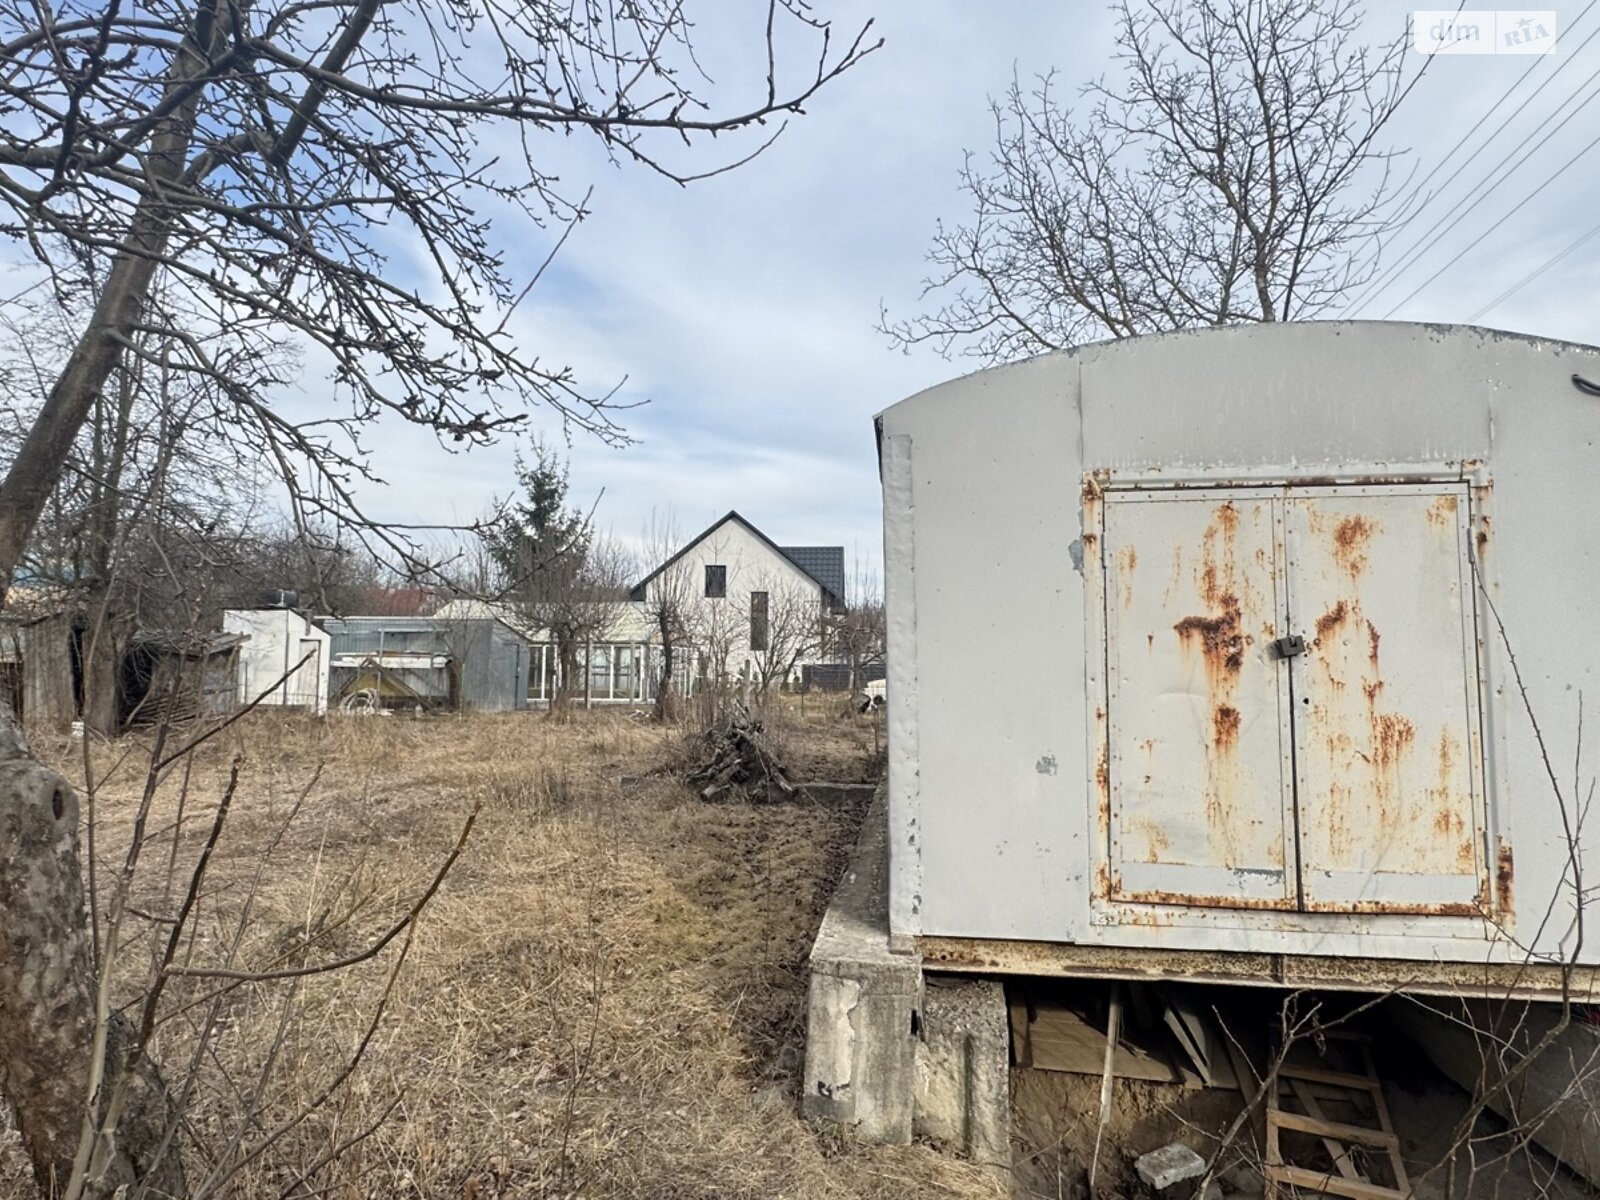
column 47, row 972
column 567, row 655
column 43, row 455
column 47, row 997
column 666, row 694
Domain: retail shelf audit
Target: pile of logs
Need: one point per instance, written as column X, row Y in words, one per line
column 740, row 757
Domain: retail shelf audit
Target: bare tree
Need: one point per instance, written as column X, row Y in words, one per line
column 788, row 630
column 258, row 162
column 858, row 636
column 241, row 154
column 577, row 602
column 1232, row 172
column 669, row 603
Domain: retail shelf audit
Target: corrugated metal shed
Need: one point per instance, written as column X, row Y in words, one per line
column 475, row 663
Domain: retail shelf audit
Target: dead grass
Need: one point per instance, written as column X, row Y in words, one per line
column 606, row 998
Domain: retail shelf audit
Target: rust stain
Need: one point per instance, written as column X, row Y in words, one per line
column 1449, row 908
column 1155, row 838
column 1442, row 512
column 1228, row 520
column 1503, row 870
column 1517, row 980
column 1225, row 727
column 1220, row 638
column 1350, row 539
column 1372, row 689
column 1187, row 900
column 1127, row 560
column 1332, row 619
column 1373, row 638
column 1177, row 573
column 1483, row 535
column 1392, row 735
column 1338, row 818
column 1449, row 820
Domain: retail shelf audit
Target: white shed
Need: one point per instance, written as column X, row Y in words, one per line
column 1199, row 666
column 284, row 659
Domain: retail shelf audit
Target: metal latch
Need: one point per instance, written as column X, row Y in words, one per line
column 1289, row 647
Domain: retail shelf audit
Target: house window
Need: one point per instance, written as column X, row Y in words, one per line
column 758, row 620
column 716, row 581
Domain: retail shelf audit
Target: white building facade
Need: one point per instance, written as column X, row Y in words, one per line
column 283, row 661
column 751, row 607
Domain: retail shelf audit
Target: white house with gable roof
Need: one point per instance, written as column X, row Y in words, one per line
column 750, row 605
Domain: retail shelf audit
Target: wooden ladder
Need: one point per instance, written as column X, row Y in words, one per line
column 1337, row 1137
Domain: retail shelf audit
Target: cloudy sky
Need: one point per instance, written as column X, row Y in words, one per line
column 741, row 310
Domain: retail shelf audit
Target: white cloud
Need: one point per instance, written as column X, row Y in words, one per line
column 742, row 308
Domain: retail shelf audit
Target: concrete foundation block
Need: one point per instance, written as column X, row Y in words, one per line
column 964, row 1068
column 864, row 1005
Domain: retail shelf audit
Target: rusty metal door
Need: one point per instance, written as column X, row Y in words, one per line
column 1385, row 699
column 1200, row 780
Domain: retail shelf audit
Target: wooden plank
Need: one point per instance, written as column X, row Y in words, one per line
column 1356, row 1083
column 1055, row 1038
column 1401, row 1181
column 1337, row 1129
column 1325, row 1184
column 1337, row 1150
column 1274, row 1155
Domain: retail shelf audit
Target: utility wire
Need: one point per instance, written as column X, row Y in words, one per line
column 1559, row 171
column 1436, row 234
column 1532, row 275
column 1477, row 125
column 1423, row 245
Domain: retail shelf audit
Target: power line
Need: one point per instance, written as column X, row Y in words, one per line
column 1478, row 124
column 1435, row 234
column 1409, row 259
column 1531, row 276
column 1520, row 204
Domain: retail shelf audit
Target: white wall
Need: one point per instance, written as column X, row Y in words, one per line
column 994, row 680
column 752, row 566
column 277, row 640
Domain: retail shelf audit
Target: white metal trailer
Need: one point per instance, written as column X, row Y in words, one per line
column 1197, row 664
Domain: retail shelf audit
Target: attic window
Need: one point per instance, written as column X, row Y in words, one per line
column 716, row 581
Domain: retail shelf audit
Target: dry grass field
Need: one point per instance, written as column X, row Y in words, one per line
column 605, row 998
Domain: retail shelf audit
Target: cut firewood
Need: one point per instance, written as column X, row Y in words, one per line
column 740, row 756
